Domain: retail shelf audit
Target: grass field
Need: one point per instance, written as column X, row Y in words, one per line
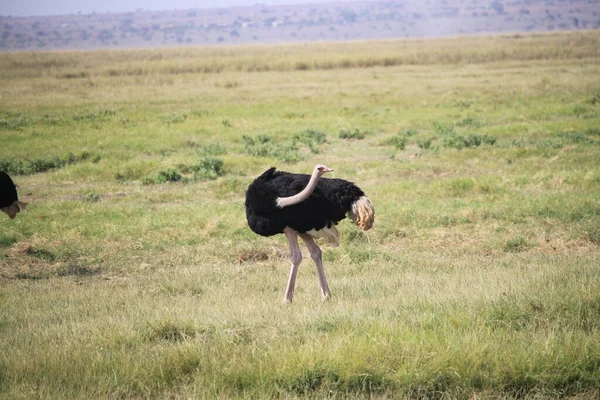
column 133, row 274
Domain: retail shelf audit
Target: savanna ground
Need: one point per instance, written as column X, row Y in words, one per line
column 133, row 274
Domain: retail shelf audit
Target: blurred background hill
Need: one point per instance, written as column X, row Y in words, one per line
column 326, row 21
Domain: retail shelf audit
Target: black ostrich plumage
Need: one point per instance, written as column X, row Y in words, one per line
column 8, row 191
column 329, row 203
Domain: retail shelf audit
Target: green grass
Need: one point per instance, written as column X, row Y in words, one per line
column 133, row 274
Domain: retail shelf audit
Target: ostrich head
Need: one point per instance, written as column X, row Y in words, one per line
column 321, row 169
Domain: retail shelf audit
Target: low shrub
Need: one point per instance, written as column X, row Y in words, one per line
column 173, row 118
column 213, row 149
column 36, row 165
column 168, row 175
column 262, row 146
column 311, row 138
column 92, row 197
column 208, row 168
column 351, row 134
column 471, row 140
column 425, row 143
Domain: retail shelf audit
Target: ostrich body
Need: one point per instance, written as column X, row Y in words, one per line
column 9, row 200
column 305, row 206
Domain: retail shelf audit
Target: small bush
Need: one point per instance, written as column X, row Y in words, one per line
column 287, row 153
column 257, row 147
column 311, row 138
column 213, row 149
column 576, row 138
column 549, row 144
column 261, row 146
column 351, row 134
column 7, row 241
column 444, row 129
column 13, row 121
column 408, row 132
column 489, row 140
column 92, row 197
column 201, row 113
column 173, row 118
column 168, row 175
column 208, row 168
column 469, row 121
column 593, row 131
column 37, row 165
column 400, row 139
column 399, row 142
column 453, row 141
column 425, row 143
column 94, row 116
column 471, row 140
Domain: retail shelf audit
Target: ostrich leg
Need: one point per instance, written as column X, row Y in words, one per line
column 296, row 258
column 316, row 255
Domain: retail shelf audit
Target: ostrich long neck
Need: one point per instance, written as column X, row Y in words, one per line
column 303, row 195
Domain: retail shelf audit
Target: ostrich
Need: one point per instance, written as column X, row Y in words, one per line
column 306, row 206
column 9, row 200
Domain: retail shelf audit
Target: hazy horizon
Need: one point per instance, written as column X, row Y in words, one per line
column 25, row 8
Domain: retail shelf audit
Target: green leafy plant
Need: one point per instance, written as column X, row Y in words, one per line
column 262, row 146
column 425, row 143
column 36, row 165
column 92, row 197
column 471, row 140
column 351, row 134
column 208, row 167
column 311, row 138
column 213, row 149
column 173, row 118
column 168, row 175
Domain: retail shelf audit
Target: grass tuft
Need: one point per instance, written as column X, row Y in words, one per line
column 171, row 331
column 516, row 244
column 351, row 134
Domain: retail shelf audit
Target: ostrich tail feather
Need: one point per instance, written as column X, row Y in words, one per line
column 363, row 213
column 330, row 235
